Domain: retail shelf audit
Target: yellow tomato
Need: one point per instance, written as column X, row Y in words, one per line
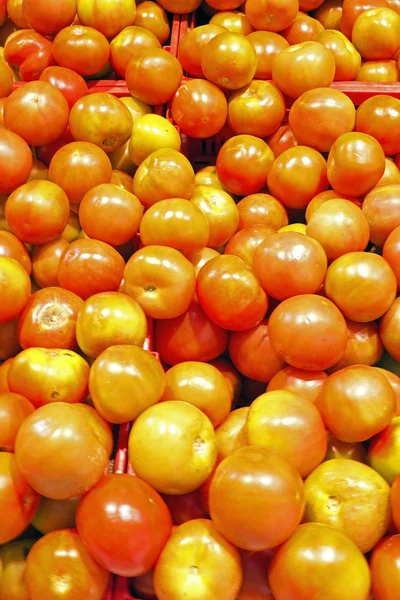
column 72, row 228
column 384, row 451
column 150, row 133
column 298, row 227
column 107, row 16
column 231, row 434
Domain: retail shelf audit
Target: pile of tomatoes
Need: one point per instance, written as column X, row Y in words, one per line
column 237, row 314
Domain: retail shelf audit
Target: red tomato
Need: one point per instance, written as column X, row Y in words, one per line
column 191, row 47
column 48, row 18
column 246, row 241
column 364, row 346
column 153, row 76
column 276, row 486
column 384, row 566
column 381, row 207
column 303, row 29
column 17, row 499
column 261, row 209
column 12, row 247
column 38, row 112
column 59, row 561
column 81, row 49
column 281, row 140
column 46, row 260
column 14, row 409
column 72, row 86
column 377, row 117
column 15, row 288
column 220, row 210
column 29, row 52
column 271, row 15
column 127, row 44
column 308, row 332
column 15, row 161
column 109, row 17
column 153, row 17
column 306, row 383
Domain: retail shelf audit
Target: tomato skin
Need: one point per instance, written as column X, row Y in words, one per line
column 353, row 8
column 220, row 210
column 107, row 17
column 390, row 252
column 30, row 52
column 364, row 345
column 299, row 381
column 257, row 109
column 245, row 242
column 15, row 161
column 13, row 557
column 261, row 209
column 347, row 59
column 378, row 116
column 303, row 29
column 376, row 33
column 298, row 569
column 267, row 45
column 271, row 15
column 275, row 484
column 15, row 288
column 388, row 329
column 196, row 547
column 231, row 433
column 153, row 17
column 229, row 61
column 18, row 500
column 14, row 409
column 81, row 49
column 46, row 18
column 384, row 567
column 127, row 43
column 381, row 207
column 191, row 47
column 72, row 86
column 53, row 515
column 12, row 247
column 153, row 76
column 45, row 262
column 77, row 576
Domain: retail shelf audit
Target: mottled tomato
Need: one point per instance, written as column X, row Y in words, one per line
column 15, row 288
column 153, row 17
column 38, row 211
column 191, row 47
column 376, row 33
column 297, row 175
column 362, row 285
column 384, row 566
column 61, row 562
column 81, row 49
column 18, row 500
column 381, row 207
column 88, row 267
column 71, row 84
column 150, row 133
column 199, row 108
column 243, row 164
column 261, row 209
column 109, row 18
column 229, row 61
column 38, row 112
column 220, row 210
column 299, row 381
column 14, row 409
column 55, row 514
column 299, row 567
column 234, row 21
column 386, row 71
column 73, row 444
column 246, row 241
column 49, row 319
column 290, row 264
column 15, row 161
column 363, row 347
column 45, row 262
column 347, row 59
column 127, row 44
column 303, row 67
column 308, row 332
column 153, row 76
column 276, row 486
column 303, row 29
column 198, row 560
column 271, row 15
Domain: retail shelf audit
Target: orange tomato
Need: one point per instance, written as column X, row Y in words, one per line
column 52, row 515
column 231, row 433
column 271, row 15
column 380, row 207
column 256, row 109
column 378, row 117
column 220, row 211
column 386, row 71
column 13, row 557
column 267, row 45
column 303, row 29
column 384, row 566
column 229, row 61
column 45, row 262
column 234, row 21
column 246, row 241
column 198, row 258
column 376, row 33
column 46, row 18
column 363, row 345
column 191, row 47
column 261, row 209
column 347, row 59
column 329, row 13
column 153, row 76
column 107, row 17
column 391, row 174
column 299, row 381
column 15, row 288
column 153, row 17
column 14, row 408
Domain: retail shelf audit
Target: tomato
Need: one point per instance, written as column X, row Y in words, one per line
column 383, row 451
column 297, row 175
column 197, row 559
column 29, row 53
column 363, row 345
column 385, row 567
column 81, row 49
column 231, row 433
column 231, row 376
column 394, row 381
column 18, row 500
column 347, row 59
column 246, row 241
column 181, row 6
column 376, row 33
column 199, row 108
column 127, row 44
column 290, row 264
column 89, row 267
column 395, row 501
column 150, row 133
column 303, row 67
column 122, row 180
column 192, row 45
column 391, row 174
column 299, row 328
column 6, row 79
column 271, row 15
column 267, row 45
column 229, row 61
column 12, row 583
column 72, row 86
column 305, row 383
column 14, row 10
column 377, row 117
column 15, row 161
column 208, row 176
column 60, row 562
column 45, row 262
column 276, row 486
column 49, row 319
column 38, row 112
column 303, row 29
column 15, row 288
column 9, row 345
column 291, row 425
column 261, row 209
column 320, row 199
column 39, row 171
column 243, row 164
column 46, row 17
column 220, row 210
column 386, row 71
column 234, row 21
column 153, row 17
column 73, row 444
column 12, row 247
column 198, row 258
column 390, row 252
column 55, row 514
column 380, row 207
column 183, row 436
column 38, row 211
column 109, row 17
column 14, row 409
column 329, row 14
column 299, row 567
column 153, row 76
column 348, row 450
column 353, row 8
column 163, row 174
column 388, row 330
column 281, row 140
column 4, row 369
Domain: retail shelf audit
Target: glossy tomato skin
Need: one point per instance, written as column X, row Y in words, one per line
column 354, row 8
column 299, row 381
column 378, row 116
column 46, row 18
column 308, row 332
column 81, row 49
column 231, row 433
column 16, row 161
column 142, row 531
column 229, row 61
column 298, row 568
column 69, row 463
column 388, row 329
column 28, row 51
column 12, row 247
column 220, row 210
column 109, row 18
column 45, row 261
column 390, row 252
column 153, row 17
column 391, row 174
column 267, row 45
column 261, row 209
column 281, row 140
column 197, row 549
column 64, row 554
column 303, row 29
column 386, row 71
column 364, row 345
column 153, row 76
column 15, row 288
column 376, row 33
column 53, row 515
column 347, row 59
column 385, row 568
column 381, row 207
column 150, row 133
column 89, row 267
column 49, row 319
column 127, row 43
column 257, row 109
column 71, row 84
column 245, row 242
column 275, row 484
column 192, row 45
column 14, row 409
column 271, row 15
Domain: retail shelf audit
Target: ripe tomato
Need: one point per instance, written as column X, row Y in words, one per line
column 290, row 264
column 384, row 566
column 234, row 21
column 229, row 61
column 353, row 8
column 72, row 86
column 6, row 79
column 376, row 33
column 391, row 251
column 305, row 383
column 183, row 436
column 153, row 75
column 55, row 514
column 281, row 140
column 14, row 10
column 28, row 52
column 347, row 59
column 383, row 451
column 199, row 108
column 15, row 161
column 246, row 241
column 191, row 47
column 271, row 15
column 386, row 71
column 12, row 583
column 363, row 346
column 46, row 17
column 299, row 567
column 391, row 174
column 18, row 500
column 38, row 211
column 191, row 336
column 198, row 560
column 198, row 258
column 300, row 327
column 220, row 210
column 303, row 67
column 323, row 197
column 335, row 495
column 39, row 171
column 12, row 247
column 267, row 45
column 81, row 49
column 276, row 486
column 163, row 174
column 45, row 262
column 224, row 4
column 315, row 107
column 394, row 381
column 261, row 209
column 389, row 330
column 14, row 409
column 297, row 175
column 49, row 319
column 107, row 17
column 349, row 450
column 150, row 133
column 61, row 562
column 4, row 369
column 127, row 44
column 303, row 29
column 395, row 501
column 153, row 17
column 243, row 164
column 15, row 288
column 38, row 112
column 290, row 424
column 176, row 223
column 329, row 14
column 231, row 433
column 372, row 283
column 70, row 462
column 89, row 267
column 181, row 7
column 377, row 117
column 381, row 207
column 356, row 163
